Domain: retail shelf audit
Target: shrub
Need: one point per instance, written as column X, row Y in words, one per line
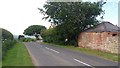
column 6, row 45
column 7, row 41
column 52, row 36
column 27, row 39
column 6, row 35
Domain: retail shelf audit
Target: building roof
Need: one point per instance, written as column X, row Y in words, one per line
column 104, row 27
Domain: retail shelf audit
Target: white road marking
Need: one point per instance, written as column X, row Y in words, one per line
column 55, row 51
column 83, row 63
column 52, row 50
column 47, row 48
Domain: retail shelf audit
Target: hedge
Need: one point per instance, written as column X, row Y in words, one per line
column 7, row 41
column 6, row 45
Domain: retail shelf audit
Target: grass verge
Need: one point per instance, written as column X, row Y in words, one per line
column 105, row 55
column 17, row 56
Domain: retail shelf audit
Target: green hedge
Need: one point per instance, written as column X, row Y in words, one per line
column 27, row 39
column 7, row 41
column 6, row 45
column 6, row 34
column 52, row 36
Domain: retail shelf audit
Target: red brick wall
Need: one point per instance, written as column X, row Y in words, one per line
column 95, row 40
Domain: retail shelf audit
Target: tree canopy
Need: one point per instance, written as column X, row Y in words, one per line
column 71, row 18
column 34, row 30
column 6, row 34
column 31, row 30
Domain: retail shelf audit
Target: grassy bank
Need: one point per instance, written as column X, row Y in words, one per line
column 17, row 56
column 101, row 54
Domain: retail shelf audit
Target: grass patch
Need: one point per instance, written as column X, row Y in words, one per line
column 17, row 56
column 0, row 57
column 0, row 64
column 105, row 55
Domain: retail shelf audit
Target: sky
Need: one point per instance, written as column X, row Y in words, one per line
column 17, row 15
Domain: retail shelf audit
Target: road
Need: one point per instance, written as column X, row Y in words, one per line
column 46, row 55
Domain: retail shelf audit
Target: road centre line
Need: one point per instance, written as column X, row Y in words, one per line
column 73, row 58
column 55, row 51
column 46, row 47
column 83, row 63
column 52, row 50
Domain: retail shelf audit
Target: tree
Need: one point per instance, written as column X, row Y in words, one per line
column 52, row 36
column 71, row 18
column 34, row 30
column 6, row 35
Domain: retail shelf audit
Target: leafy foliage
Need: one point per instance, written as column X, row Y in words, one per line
column 31, row 30
column 6, row 45
column 53, row 36
column 27, row 40
column 34, row 30
column 6, row 35
column 7, row 41
column 48, row 35
column 71, row 18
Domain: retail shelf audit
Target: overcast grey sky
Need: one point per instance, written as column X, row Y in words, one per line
column 17, row 15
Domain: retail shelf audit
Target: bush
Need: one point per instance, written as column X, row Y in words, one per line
column 27, row 39
column 52, row 35
column 6, row 45
column 22, row 39
column 6, row 34
column 7, row 41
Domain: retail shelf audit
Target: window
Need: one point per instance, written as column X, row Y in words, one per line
column 114, row 34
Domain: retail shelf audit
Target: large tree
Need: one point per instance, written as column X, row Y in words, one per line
column 71, row 18
column 34, row 30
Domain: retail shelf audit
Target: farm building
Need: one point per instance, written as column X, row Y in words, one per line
column 104, row 37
